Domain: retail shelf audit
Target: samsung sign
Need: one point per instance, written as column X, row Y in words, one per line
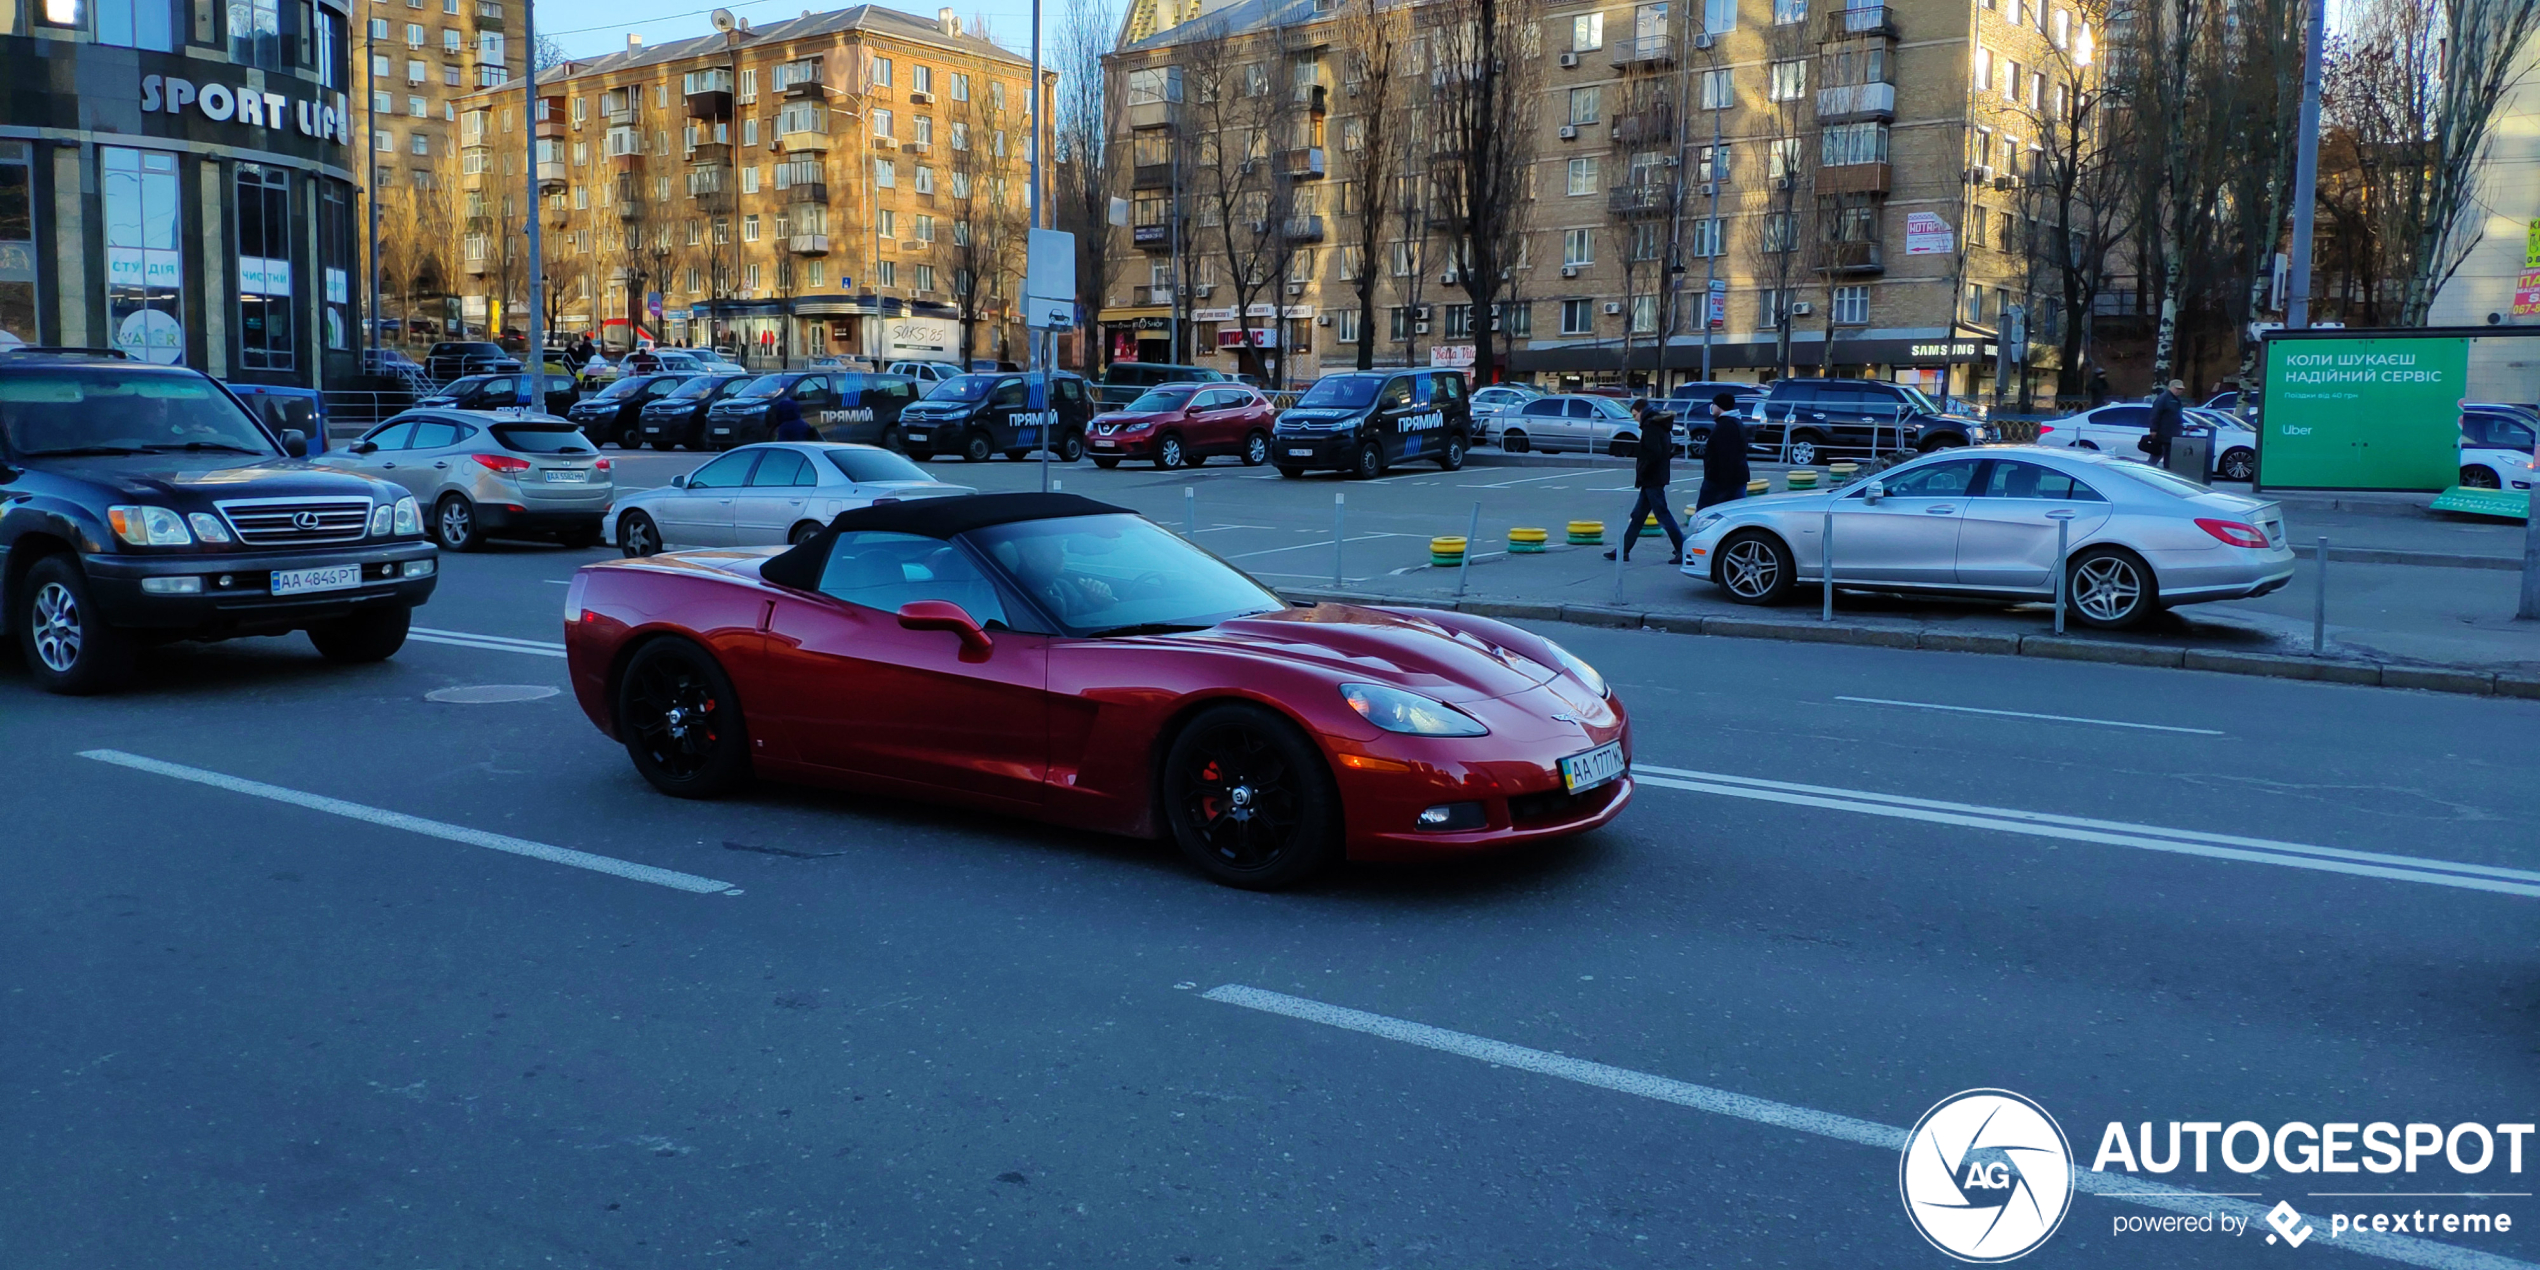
column 223, row 104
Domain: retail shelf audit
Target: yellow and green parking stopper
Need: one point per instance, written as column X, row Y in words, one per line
column 1843, row 470
column 1758, row 486
column 1801, row 478
column 1526, row 542
column 1587, row 533
column 1649, row 528
column 1447, row 552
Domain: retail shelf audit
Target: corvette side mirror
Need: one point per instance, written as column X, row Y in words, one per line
column 1875, row 491
column 944, row 615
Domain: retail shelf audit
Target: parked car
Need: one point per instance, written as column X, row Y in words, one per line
column 1364, row 421
column 698, row 361
column 1489, row 404
column 2497, row 447
column 2119, row 429
column 1184, row 425
column 1571, row 422
column 851, row 404
column 678, row 418
column 452, row 359
column 480, row 474
column 924, row 372
column 1984, row 525
column 142, row 504
column 2228, row 402
column 1691, row 404
column 768, row 495
column 615, row 413
column 1827, row 417
column 500, row 392
column 979, row 415
column 1124, row 382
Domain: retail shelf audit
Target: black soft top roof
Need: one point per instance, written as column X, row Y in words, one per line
column 800, row 567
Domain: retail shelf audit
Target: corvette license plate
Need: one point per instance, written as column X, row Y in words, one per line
column 339, row 577
column 1299, row 452
column 1597, row 766
column 564, row 476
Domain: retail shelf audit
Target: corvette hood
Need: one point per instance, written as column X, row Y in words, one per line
column 1395, row 649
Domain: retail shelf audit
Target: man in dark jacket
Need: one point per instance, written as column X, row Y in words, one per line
column 2169, row 417
column 1651, row 466
column 1724, row 459
column 785, row 421
column 2098, row 388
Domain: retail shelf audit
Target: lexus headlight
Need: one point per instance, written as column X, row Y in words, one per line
column 409, row 517
column 1397, row 711
column 144, row 526
column 1579, row 670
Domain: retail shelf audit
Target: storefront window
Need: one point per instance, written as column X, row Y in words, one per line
column 17, row 244
column 145, row 261
column 264, row 267
column 335, row 222
column 255, row 34
column 141, row 24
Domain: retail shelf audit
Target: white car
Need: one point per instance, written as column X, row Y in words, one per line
column 1577, row 422
column 925, row 372
column 2496, row 449
column 768, row 496
column 2119, row 427
column 1489, row 404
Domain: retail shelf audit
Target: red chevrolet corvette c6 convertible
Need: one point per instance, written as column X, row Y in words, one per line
column 1059, row 658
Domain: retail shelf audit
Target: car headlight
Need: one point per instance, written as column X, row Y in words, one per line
column 1579, row 670
column 144, row 526
column 1397, row 711
column 207, row 526
column 409, row 518
column 1708, row 519
column 383, row 518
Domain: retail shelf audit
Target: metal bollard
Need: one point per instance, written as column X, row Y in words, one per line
column 1190, row 511
column 2319, row 604
column 1618, row 564
column 2063, row 518
column 1825, row 563
column 1472, row 538
column 1338, row 498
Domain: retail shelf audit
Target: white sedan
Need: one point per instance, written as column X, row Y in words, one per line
column 1492, row 403
column 2496, row 449
column 2119, row 427
column 768, row 495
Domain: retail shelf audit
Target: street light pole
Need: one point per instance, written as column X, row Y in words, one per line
column 533, row 381
column 370, row 171
column 2306, row 164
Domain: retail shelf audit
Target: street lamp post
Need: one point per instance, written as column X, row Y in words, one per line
column 533, row 383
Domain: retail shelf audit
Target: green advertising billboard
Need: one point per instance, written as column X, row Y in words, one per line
column 2363, row 412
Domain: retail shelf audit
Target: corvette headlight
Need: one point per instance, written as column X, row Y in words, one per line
column 1579, row 670
column 1397, row 711
column 409, row 517
column 145, row 526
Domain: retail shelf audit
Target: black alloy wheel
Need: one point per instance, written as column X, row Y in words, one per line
column 638, row 536
column 1071, row 447
column 1513, row 442
column 682, row 722
column 1248, row 799
column 2240, row 463
column 1369, row 463
column 2476, row 478
column 1256, row 448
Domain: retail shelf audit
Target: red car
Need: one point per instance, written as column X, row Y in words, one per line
column 1058, row 658
column 1183, row 424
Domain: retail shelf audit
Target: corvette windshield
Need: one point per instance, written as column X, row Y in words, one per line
column 1119, row 574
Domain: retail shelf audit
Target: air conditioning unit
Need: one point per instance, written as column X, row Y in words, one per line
column 920, row 97
column 1324, row 320
column 1296, row 288
column 1613, row 307
column 1447, row 279
column 1709, row 188
column 1569, row 132
column 1351, row 89
column 1702, row 41
column 1569, row 60
column 1423, row 317
column 2001, row 182
column 1569, row 271
column 1419, row 328
column 1802, row 309
column 1205, row 289
column 886, row 143
column 1785, row 182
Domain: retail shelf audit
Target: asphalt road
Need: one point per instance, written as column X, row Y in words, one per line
column 245, row 1031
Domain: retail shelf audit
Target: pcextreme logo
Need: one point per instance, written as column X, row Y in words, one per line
column 1986, row 1175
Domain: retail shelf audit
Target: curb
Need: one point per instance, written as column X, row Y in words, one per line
column 2434, row 559
column 2462, row 680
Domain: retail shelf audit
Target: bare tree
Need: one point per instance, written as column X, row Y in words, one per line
column 2475, row 50
column 1374, row 35
column 987, row 198
column 1243, row 117
column 2076, row 203
column 1486, row 68
column 1084, row 184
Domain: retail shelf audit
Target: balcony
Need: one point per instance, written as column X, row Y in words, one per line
column 807, row 140
column 713, row 202
column 629, row 209
column 1302, row 229
column 710, row 152
column 1314, row 97
column 479, row 267
column 551, row 176
column 622, row 115
column 1852, row 178
column 808, row 192
column 1154, row 295
column 1154, row 114
column 1643, row 198
column 1152, row 237
column 1306, row 164
column 1641, row 127
column 1644, row 50
column 489, row 17
column 807, row 88
column 808, row 244
column 1151, row 176
column 712, row 103
column 550, row 126
column 1859, row 23
column 1846, row 103
column 1853, row 258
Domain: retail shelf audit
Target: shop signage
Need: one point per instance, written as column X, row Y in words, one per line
column 1457, row 355
column 1926, row 234
column 1960, row 349
column 1213, row 315
column 1154, row 324
column 260, row 276
column 1258, row 337
column 324, row 120
column 2527, row 293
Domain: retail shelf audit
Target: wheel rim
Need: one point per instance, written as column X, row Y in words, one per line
column 57, row 627
column 1750, row 568
column 1454, row 452
column 454, row 521
column 978, row 449
column 1803, row 452
column 2236, row 466
column 2106, row 588
column 2477, row 478
column 1256, row 450
column 1170, row 453
column 638, row 537
column 675, row 716
column 1367, row 462
column 1240, row 798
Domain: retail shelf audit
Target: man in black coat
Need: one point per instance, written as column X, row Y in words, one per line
column 1724, row 459
column 1651, row 466
column 2169, row 418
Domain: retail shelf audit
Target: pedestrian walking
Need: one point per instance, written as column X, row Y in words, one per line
column 1652, row 466
column 785, row 419
column 2098, row 387
column 2169, row 417
column 1724, row 458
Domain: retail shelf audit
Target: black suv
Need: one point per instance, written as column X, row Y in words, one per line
column 616, row 413
column 450, row 359
column 1824, row 417
column 678, row 417
column 1365, row 421
column 143, row 504
column 977, row 415
column 502, row 392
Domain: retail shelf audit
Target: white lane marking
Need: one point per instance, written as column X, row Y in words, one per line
column 1525, row 480
column 1825, row 1124
column 2291, row 855
column 557, row 581
column 496, row 643
column 2023, row 714
column 1214, row 528
column 610, row 865
column 1307, row 546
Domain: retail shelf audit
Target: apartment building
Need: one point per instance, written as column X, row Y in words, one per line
column 1853, row 186
column 417, row 59
column 851, row 183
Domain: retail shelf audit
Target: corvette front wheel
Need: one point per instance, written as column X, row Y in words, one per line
column 1249, row 801
column 681, row 721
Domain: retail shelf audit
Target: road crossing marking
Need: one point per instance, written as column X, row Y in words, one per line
column 2038, row 824
column 2023, row 714
column 497, row 643
column 610, row 865
column 2405, row 1249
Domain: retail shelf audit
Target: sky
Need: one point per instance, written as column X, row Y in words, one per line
column 588, row 28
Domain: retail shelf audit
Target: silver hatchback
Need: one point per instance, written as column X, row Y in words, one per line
column 481, row 473
column 1983, row 523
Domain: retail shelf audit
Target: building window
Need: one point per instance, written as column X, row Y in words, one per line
column 996, row 94
column 1848, row 143
column 140, row 24
column 422, row 143
column 749, row 179
column 886, row 273
column 1789, row 81
column 1517, row 321
column 923, row 278
column 1649, row 240
column 18, row 261
column 1578, row 247
column 1644, row 315
column 416, row 71
column 1719, row 17
column 418, row 107
column 1582, row 175
column 886, row 223
column 749, row 229
column 1778, row 235
column 1578, row 317
column 1399, row 325
column 264, row 267
column 882, row 72
column 924, row 129
column 414, row 35
column 921, row 78
column 886, row 174
column 1703, row 237
column 960, row 86
column 1786, row 12
column 452, row 43
column 1583, row 103
column 1984, row 70
column 924, row 225
column 1771, row 306
column 145, row 258
column 1719, row 89
column 815, row 275
column 925, row 179
column 881, row 123
column 1587, row 32
column 1852, row 306
column 753, row 282
column 255, row 34
column 449, row 76
column 1974, row 304
column 1345, row 327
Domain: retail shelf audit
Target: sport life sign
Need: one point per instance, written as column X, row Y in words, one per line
column 326, row 121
